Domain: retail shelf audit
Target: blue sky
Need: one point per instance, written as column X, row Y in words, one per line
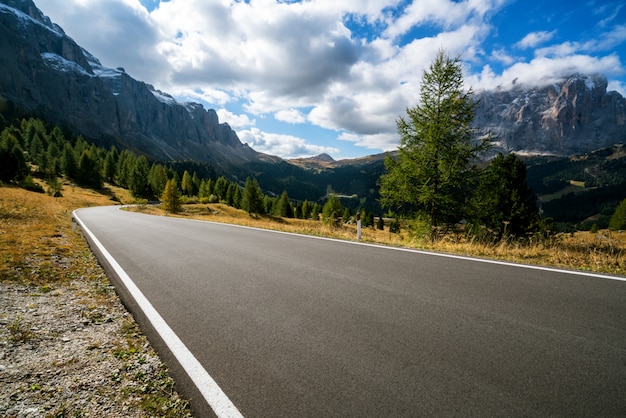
column 298, row 78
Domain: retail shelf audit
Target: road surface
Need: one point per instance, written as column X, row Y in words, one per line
column 294, row 326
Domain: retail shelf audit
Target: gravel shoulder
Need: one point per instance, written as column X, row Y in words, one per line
column 68, row 347
column 75, row 351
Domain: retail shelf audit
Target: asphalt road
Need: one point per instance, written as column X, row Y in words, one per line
column 293, row 326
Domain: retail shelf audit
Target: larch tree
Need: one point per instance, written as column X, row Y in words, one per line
column 171, row 197
column 437, row 152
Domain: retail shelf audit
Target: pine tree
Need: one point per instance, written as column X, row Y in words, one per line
column 283, row 206
column 68, row 162
column 306, row 209
column 157, row 178
column 110, row 165
column 186, row 186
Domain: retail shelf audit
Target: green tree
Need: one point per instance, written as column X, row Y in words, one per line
column 436, row 152
column 171, row 197
column 332, row 209
column 186, row 185
column 89, row 170
column 68, row 161
column 138, row 180
column 157, row 177
column 220, row 188
column 13, row 165
column 315, row 211
column 346, row 215
column 252, row 198
column 109, row 167
column 283, row 206
column 306, row 209
column 618, row 220
column 503, row 202
column 125, row 163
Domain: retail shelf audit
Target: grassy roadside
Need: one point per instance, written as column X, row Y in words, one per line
column 602, row 252
column 43, row 262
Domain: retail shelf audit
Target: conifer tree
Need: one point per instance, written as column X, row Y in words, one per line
column 171, row 197
column 12, row 162
column 252, row 198
column 138, row 180
column 186, row 186
column 503, row 202
column 157, row 177
column 618, row 220
column 436, row 150
column 69, row 165
column 332, row 209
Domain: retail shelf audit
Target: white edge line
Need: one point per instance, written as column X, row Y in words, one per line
column 212, row 393
column 412, row 250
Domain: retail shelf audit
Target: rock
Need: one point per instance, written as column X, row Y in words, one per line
column 572, row 117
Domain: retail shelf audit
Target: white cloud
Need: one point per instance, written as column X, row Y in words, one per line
column 534, row 39
column 119, row 32
column 542, row 71
column 290, row 116
column 385, row 142
column 235, row 121
column 285, row 146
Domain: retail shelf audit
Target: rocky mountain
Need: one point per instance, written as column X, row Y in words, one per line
column 572, row 117
column 44, row 72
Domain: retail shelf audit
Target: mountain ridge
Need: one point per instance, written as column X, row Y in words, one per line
column 47, row 73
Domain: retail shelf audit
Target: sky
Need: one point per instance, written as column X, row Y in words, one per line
column 297, row 78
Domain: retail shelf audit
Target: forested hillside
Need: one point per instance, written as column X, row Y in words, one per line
column 582, row 191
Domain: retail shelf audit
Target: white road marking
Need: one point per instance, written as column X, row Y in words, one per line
column 212, row 393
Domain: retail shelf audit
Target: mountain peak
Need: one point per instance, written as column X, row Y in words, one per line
column 323, row 157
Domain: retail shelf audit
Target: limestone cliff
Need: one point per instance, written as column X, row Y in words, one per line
column 572, row 117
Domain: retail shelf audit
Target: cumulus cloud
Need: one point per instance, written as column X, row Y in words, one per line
column 119, row 32
column 290, row 116
column 534, row 39
column 542, row 71
column 235, row 121
column 285, row 146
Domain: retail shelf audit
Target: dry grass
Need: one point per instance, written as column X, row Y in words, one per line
column 604, row 252
column 37, row 245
